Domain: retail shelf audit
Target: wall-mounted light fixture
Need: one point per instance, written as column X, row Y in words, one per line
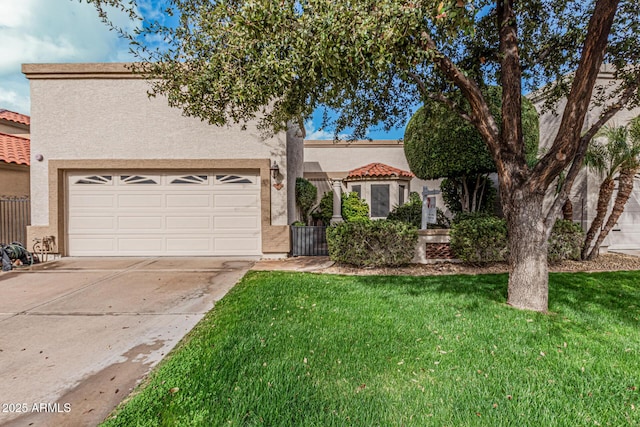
column 275, row 170
column 39, row 157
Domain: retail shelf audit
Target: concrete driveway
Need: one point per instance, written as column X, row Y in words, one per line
column 77, row 334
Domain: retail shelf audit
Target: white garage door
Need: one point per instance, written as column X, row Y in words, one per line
column 626, row 233
column 134, row 213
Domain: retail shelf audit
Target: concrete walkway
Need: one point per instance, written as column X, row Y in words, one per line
column 77, row 334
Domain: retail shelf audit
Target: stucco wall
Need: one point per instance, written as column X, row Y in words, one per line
column 14, row 180
column 584, row 194
column 111, row 117
column 335, row 160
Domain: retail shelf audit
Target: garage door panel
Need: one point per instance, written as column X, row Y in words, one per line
column 188, row 200
column 188, row 223
column 235, row 201
column 98, row 245
column 236, row 245
column 163, row 214
column 236, row 223
column 140, row 201
column 126, row 223
column 189, row 245
column 91, row 201
column 81, row 223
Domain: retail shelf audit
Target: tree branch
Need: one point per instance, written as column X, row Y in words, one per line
column 568, row 143
column 422, row 88
column 576, row 166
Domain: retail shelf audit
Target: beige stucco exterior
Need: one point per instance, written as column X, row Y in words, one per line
column 14, row 180
column 584, row 193
column 327, row 160
column 99, row 117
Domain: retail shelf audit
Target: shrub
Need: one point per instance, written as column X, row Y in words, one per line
column 306, row 194
column 479, row 238
column 353, row 208
column 380, row 243
column 410, row 212
column 565, row 241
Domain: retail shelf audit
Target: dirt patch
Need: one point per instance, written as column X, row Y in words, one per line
column 606, row 262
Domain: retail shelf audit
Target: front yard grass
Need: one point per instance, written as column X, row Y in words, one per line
column 293, row 349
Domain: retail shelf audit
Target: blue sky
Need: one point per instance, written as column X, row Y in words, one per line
column 40, row 31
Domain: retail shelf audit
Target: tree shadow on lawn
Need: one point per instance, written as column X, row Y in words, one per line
column 588, row 295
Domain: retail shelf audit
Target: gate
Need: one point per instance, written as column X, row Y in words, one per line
column 309, row 241
column 15, row 216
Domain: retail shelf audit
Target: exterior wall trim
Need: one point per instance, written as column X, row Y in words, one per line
column 275, row 239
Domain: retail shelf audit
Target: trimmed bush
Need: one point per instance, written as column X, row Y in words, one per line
column 380, row 243
column 353, row 208
column 565, row 241
column 479, row 238
column 410, row 212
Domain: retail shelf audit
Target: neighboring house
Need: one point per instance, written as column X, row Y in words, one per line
column 120, row 173
column 584, row 194
column 14, row 154
column 381, row 186
column 350, row 163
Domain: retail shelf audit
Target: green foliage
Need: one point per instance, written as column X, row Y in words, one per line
column 306, row 194
column 565, row 241
column 410, row 212
column 324, row 211
column 479, row 238
column 452, row 194
column 283, row 348
column 380, row 243
column 354, row 208
column 438, row 143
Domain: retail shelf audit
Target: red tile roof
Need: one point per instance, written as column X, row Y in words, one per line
column 378, row 170
column 14, row 149
column 15, row 117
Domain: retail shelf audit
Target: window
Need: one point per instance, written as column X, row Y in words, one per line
column 379, row 200
column 190, row 179
column 137, row 179
column 232, row 179
column 357, row 189
column 95, row 179
column 401, row 189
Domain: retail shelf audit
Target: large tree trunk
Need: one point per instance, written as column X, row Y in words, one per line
column 604, row 197
column 528, row 271
column 567, row 210
column 625, row 188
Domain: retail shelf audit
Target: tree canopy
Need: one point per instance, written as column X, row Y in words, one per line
column 371, row 60
column 440, row 144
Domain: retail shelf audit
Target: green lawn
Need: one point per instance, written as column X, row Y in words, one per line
column 293, row 349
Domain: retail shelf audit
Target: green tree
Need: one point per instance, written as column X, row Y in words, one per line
column 619, row 155
column 232, row 61
column 440, row 144
column 306, row 195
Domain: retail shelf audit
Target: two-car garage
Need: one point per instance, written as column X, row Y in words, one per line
column 163, row 213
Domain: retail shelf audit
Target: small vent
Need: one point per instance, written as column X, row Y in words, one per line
column 95, row 179
column 136, row 179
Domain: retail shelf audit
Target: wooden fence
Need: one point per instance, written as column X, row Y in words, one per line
column 15, row 215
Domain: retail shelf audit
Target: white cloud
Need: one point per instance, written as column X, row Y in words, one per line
column 35, row 31
column 319, row 134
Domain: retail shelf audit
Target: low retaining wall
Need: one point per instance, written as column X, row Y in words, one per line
column 433, row 246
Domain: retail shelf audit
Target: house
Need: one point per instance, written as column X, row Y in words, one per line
column 359, row 165
column 584, row 193
column 14, row 154
column 117, row 173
